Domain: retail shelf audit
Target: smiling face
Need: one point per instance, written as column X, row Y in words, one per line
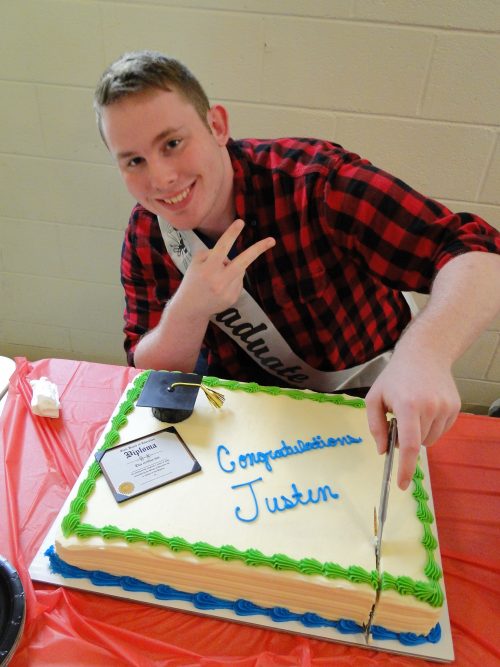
column 173, row 163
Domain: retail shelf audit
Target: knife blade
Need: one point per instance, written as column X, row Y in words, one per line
column 392, row 439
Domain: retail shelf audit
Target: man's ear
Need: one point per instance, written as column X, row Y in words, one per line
column 218, row 122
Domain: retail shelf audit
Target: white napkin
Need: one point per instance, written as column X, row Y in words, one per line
column 45, row 401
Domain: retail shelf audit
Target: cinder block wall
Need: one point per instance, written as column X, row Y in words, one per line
column 413, row 86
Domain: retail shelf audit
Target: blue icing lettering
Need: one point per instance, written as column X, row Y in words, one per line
column 283, row 503
column 322, row 494
column 228, row 464
column 222, row 448
column 237, row 510
column 250, row 459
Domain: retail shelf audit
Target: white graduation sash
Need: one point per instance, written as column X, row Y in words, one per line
column 248, row 325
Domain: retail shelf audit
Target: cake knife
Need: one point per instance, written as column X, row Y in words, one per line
column 392, row 439
column 379, row 521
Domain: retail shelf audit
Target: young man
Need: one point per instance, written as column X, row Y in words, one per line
column 300, row 252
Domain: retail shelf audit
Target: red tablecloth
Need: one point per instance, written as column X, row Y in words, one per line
column 42, row 458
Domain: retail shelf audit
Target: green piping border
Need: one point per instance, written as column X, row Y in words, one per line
column 427, row 591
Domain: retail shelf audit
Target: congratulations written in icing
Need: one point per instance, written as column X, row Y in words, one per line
column 228, row 464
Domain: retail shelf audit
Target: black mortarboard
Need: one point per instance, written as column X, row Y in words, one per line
column 171, row 401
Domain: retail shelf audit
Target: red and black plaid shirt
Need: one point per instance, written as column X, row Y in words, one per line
column 350, row 238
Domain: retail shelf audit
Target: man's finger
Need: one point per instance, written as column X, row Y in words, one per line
column 223, row 246
column 249, row 255
column 410, row 440
column 377, row 420
column 444, row 416
column 450, row 421
column 436, row 430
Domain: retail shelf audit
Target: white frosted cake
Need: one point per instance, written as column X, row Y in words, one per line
column 278, row 522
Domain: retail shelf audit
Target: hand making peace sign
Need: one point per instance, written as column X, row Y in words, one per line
column 212, row 282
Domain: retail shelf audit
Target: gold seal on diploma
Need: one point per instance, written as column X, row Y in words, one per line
column 126, row 488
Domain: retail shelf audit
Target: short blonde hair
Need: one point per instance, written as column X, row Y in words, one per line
column 139, row 71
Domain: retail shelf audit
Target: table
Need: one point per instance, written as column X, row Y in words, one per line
column 42, row 458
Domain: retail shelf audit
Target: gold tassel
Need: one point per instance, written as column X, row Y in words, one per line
column 215, row 398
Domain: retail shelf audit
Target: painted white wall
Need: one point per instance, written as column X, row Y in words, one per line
column 413, row 86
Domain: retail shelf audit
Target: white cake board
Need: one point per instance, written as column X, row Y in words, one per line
column 440, row 652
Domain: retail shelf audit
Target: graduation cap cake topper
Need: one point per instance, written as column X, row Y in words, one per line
column 172, row 395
